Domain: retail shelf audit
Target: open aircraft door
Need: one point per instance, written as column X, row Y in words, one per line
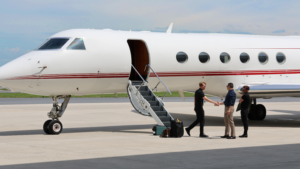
column 139, row 59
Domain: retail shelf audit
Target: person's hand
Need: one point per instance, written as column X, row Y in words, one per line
column 228, row 112
column 241, row 100
column 217, row 103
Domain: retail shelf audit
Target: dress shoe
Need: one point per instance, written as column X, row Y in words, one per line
column 243, row 136
column 188, row 131
column 231, row 137
column 225, row 136
column 203, row 135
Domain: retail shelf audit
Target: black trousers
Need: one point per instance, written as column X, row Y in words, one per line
column 244, row 115
column 200, row 119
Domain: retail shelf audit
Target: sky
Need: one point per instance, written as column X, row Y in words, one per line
column 25, row 24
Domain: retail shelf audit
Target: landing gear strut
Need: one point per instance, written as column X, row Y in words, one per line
column 54, row 126
column 257, row 111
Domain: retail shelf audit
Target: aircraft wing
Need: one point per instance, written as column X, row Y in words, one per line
column 269, row 90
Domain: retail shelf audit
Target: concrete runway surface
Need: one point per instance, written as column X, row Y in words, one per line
column 108, row 133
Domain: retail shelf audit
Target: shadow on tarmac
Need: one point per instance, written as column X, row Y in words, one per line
column 83, row 130
column 270, row 121
column 273, row 157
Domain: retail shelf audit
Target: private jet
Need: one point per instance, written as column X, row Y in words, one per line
column 89, row 61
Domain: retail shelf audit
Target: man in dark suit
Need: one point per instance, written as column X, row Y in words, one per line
column 198, row 101
column 245, row 103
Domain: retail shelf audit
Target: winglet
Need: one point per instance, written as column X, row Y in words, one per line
column 170, row 28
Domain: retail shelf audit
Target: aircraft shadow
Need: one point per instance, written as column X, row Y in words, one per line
column 270, row 121
column 123, row 129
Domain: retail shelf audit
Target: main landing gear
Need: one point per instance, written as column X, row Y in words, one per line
column 54, row 126
column 257, row 111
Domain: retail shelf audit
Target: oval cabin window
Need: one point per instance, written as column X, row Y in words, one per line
column 244, row 57
column 224, row 57
column 263, row 58
column 181, row 57
column 280, row 57
column 203, row 57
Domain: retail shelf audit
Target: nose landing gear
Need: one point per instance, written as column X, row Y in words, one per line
column 54, row 126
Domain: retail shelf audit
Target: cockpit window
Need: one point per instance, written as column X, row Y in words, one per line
column 77, row 44
column 54, row 43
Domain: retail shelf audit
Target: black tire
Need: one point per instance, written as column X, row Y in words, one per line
column 260, row 112
column 55, row 127
column 45, row 127
column 251, row 114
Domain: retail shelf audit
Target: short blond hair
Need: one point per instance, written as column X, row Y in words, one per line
column 202, row 83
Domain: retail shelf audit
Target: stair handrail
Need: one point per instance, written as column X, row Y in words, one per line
column 140, row 77
column 160, row 81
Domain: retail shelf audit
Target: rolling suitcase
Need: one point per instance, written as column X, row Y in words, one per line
column 157, row 130
column 176, row 128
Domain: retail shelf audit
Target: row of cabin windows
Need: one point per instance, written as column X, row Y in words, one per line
column 225, row 57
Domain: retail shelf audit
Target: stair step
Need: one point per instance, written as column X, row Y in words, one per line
column 153, row 103
column 157, row 108
column 164, row 118
column 149, row 98
column 161, row 113
column 134, row 83
column 145, row 93
column 167, row 124
column 143, row 88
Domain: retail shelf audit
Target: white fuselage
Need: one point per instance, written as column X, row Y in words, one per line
column 105, row 65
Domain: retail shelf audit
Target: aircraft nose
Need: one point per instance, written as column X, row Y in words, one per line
column 12, row 75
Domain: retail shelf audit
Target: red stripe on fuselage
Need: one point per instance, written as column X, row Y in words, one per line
column 72, row 76
column 226, row 73
column 160, row 74
column 266, row 48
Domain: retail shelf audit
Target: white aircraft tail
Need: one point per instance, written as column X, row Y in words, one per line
column 170, row 28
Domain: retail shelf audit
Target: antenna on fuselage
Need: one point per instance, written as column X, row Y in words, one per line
column 170, row 28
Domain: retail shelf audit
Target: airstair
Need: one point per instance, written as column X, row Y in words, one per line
column 146, row 103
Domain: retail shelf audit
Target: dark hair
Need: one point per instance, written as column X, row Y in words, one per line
column 202, row 83
column 246, row 87
column 230, row 85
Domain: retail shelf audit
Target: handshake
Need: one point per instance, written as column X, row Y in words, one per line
column 217, row 103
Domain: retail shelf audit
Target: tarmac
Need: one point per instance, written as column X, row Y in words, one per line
column 109, row 133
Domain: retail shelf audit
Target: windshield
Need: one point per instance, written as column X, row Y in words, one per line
column 77, row 44
column 54, row 43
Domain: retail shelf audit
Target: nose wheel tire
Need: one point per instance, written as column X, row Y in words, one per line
column 55, row 127
column 45, row 126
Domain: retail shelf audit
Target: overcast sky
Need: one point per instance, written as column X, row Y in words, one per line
column 25, row 24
